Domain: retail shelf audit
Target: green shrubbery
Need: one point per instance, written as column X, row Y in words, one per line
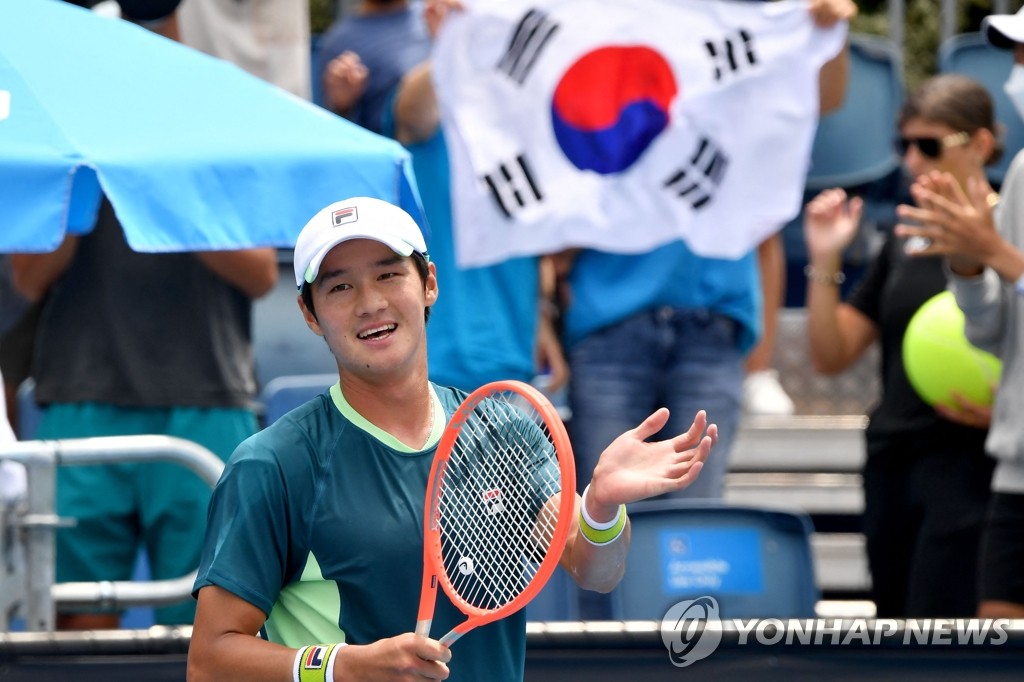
column 921, row 29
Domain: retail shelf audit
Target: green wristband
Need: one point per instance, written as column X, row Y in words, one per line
column 311, row 663
column 601, row 533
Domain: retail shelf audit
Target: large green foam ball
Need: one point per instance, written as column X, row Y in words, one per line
column 940, row 361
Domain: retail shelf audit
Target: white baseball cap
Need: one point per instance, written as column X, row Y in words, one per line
column 355, row 218
column 1003, row 30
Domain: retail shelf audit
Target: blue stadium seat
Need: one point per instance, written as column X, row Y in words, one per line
column 853, row 149
column 282, row 343
column 853, row 145
column 971, row 55
column 285, row 393
column 755, row 562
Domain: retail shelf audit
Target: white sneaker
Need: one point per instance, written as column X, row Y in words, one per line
column 763, row 395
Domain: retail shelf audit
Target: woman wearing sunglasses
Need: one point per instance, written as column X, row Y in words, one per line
column 926, row 477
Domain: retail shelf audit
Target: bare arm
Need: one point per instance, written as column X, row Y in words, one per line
column 772, row 261
column 35, row 273
column 832, row 81
column 834, row 74
column 632, row 469
column 253, row 271
column 224, row 648
column 598, row 568
column 417, row 115
column 838, row 333
column 224, row 644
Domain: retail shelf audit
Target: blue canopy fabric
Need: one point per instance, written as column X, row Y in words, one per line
column 193, row 152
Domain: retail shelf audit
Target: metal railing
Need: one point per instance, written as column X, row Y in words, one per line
column 33, row 523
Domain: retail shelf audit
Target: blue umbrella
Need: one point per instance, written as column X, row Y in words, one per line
column 193, row 152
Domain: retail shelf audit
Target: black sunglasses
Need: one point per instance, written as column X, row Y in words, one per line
column 931, row 147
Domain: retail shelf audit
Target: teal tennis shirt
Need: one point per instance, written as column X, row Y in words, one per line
column 318, row 522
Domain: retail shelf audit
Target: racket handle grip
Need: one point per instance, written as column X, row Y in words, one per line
column 423, row 627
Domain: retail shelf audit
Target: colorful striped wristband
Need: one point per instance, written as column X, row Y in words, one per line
column 314, row 663
column 601, row 533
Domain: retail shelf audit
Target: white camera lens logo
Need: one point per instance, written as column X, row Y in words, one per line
column 685, row 631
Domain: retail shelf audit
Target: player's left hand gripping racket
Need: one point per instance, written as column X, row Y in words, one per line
column 500, row 502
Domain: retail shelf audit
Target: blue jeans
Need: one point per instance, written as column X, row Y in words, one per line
column 685, row 360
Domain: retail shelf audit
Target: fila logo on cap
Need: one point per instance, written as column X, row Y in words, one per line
column 345, row 215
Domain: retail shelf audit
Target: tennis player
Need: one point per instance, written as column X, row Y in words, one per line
column 314, row 537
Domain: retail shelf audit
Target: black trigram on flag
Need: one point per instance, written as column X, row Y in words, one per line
column 732, row 53
column 696, row 183
column 531, row 35
column 513, row 186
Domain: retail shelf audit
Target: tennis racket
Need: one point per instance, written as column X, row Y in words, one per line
column 500, row 501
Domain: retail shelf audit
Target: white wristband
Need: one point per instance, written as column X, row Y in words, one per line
column 316, row 668
column 330, row 661
column 604, row 533
column 298, row 661
column 604, row 525
column 1018, row 286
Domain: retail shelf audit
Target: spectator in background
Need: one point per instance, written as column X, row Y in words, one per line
column 13, row 484
column 490, row 324
column 982, row 236
column 926, row 478
column 157, row 15
column 268, row 38
column 17, row 324
column 12, row 307
column 763, row 395
column 361, row 58
column 132, row 344
column 668, row 326
column 128, row 344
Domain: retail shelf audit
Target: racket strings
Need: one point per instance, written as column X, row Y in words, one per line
column 502, row 471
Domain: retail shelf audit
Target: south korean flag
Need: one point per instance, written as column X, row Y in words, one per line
column 621, row 126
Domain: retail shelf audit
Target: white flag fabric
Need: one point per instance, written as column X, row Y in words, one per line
column 621, row 125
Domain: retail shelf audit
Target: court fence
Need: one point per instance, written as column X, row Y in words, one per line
column 28, row 591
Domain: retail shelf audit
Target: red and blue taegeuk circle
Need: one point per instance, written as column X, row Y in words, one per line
column 610, row 105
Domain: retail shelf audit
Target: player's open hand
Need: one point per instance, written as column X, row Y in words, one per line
column 632, row 469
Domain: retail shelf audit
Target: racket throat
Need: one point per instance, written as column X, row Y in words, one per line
column 451, row 637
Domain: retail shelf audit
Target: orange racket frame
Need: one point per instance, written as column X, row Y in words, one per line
column 433, row 564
